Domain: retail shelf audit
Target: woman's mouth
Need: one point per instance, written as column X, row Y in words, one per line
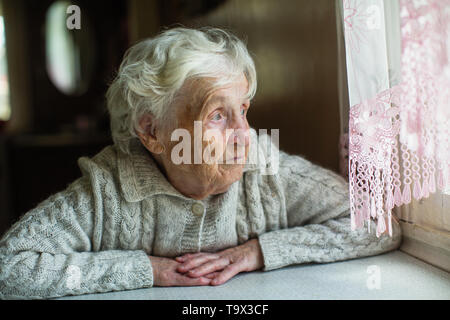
column 234, row 159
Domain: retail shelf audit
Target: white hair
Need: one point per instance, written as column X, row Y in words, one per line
column 152, row 72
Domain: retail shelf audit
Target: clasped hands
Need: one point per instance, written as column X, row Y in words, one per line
column 202, row 268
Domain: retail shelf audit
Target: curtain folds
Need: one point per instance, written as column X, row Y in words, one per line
column 394, row 77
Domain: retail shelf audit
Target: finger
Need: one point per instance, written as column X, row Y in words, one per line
column 185, row 256
column 196, row 261
column 211, row 275
column 211, row 266
column 188, row 256
column 181, row 280
column 229, row 272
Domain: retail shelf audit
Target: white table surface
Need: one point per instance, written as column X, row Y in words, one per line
column 401, row 277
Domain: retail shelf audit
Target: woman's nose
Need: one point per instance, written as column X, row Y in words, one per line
column 240, row 136
column 240, row 133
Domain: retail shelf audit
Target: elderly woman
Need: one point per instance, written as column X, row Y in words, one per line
column 138, row 217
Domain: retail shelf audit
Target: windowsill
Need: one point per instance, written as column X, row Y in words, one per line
column 401, row 277
column 426, row 244
column 426, row 229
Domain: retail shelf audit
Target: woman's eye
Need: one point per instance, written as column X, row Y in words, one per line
column 243, row 112
column 217, row 117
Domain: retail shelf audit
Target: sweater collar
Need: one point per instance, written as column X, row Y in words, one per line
column 140, row 176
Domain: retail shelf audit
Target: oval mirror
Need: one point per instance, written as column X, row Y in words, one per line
column 70, row 48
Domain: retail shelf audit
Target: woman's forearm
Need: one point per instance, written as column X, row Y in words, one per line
column 330, row 241
column 40, row 275
column 49, row 252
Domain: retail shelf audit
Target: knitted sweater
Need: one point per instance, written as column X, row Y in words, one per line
column 96, row 235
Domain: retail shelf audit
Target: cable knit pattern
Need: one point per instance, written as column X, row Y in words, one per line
column 96, row 235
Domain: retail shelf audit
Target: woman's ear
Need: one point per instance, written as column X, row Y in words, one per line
column 147, row 136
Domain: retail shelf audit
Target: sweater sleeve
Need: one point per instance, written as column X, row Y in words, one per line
column 318, row 217
column 49, row 252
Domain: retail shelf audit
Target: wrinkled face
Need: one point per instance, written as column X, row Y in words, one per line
column 218, row 145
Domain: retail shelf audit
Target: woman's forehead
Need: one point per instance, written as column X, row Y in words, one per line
column 203, row 92
column 236, row 89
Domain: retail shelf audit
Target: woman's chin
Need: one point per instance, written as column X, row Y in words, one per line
column 236, row 177
column 223, row 190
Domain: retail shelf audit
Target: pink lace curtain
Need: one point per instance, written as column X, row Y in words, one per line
column 395, row 103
